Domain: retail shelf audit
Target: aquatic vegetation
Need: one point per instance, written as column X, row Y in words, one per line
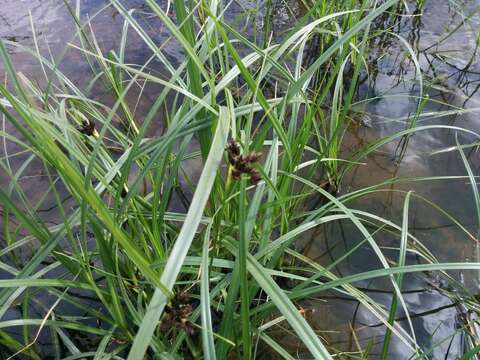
column 163, row 261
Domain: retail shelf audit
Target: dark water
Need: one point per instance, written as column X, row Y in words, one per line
column 450, row 63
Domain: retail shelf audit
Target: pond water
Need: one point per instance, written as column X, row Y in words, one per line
column 451, row 63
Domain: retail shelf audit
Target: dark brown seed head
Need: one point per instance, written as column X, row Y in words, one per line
column 256, row 177
column 231, row 159
column 242, row 164
column 233, row 151
column 248, row 169
column 177, row 314
column 253, row 157
column 87, row 127
column 233, row 148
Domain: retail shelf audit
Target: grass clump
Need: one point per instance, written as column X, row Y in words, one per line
column 266, row 118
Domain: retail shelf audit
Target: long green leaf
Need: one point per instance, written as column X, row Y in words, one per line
column 185, row 238
column 286, row 307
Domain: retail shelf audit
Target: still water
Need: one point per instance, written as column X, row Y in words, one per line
column 452, row 68
column 451, row 64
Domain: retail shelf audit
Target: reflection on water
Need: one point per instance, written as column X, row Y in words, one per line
column 448, row 54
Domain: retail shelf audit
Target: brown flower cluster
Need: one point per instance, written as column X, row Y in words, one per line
column 242, row 164
column 177, row 314
column 87, row 127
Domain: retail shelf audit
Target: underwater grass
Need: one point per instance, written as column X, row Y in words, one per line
column 213, row 280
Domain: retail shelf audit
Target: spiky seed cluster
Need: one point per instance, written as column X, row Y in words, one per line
column 233, row 151
column 177, row 314
column 242, row 164
column 87, row 127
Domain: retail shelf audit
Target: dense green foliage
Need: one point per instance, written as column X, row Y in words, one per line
column 211, row 280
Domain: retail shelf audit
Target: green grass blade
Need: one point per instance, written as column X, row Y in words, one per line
column 286, row 307
column 208, row 342
column 398, row 278
column 185, row 238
